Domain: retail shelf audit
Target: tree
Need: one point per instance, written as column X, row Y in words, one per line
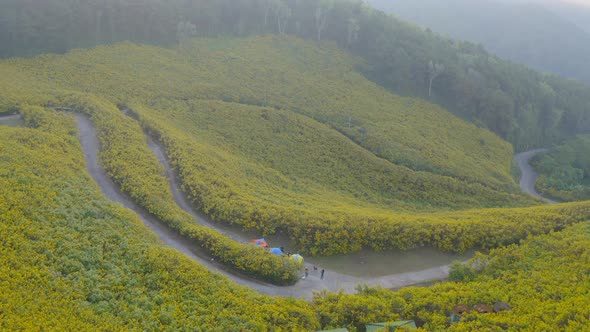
column 461, row 272
column 185, row 30
column 321, row 17
column 268, row 7
column 434, row 70
column 353, row 31
column 283, row 13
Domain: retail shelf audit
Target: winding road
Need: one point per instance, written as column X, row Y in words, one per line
column 10, row 117
column 333, row 281
column 529, row 176
column 12, row 120
column 303, row 289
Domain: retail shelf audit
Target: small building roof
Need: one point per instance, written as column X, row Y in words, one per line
column 378, row 326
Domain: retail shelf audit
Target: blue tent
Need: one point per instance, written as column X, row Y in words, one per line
column 276, row 251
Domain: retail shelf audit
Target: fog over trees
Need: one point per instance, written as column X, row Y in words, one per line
column 550, row 36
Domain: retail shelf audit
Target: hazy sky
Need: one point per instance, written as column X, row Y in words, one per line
column 582, row 2
column 579, row 2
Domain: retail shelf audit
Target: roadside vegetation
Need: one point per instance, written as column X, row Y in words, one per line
column 284, row 135
column 129, row 162
column 321, row 83
column 73, row 260
column 70, row 259
column 565, row 170
column 251, row 192
column 544, row 279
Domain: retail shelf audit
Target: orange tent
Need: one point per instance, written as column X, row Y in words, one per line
column 260, row 242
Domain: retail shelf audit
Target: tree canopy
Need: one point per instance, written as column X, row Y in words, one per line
column 525, row 107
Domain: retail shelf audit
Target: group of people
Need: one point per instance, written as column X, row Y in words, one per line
column 315, row 268
column 306, row 274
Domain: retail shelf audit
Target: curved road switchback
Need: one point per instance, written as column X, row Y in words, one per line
column 333, row 281
column 529, row 177
column 181, row 199
column 90, row 147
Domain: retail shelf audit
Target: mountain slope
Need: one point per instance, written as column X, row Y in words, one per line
column 237, row 167
column 574, row 11
column 526, row 108
column 523, row 33
column 320, row 83
column 72, row 259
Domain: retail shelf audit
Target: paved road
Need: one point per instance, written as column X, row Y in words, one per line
column 10, row 117
column 528, row 175
column 303, row 289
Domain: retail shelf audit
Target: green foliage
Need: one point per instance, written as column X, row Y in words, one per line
column 76, row 261
column 307, row 158
column 320, row 83
column 461, row 272
column 544, row 279
column 131, row 164
column 231, row 187
column 539, row 36
column 71, row 260
column 525, row 107
column 565, row 170
column 232, row 176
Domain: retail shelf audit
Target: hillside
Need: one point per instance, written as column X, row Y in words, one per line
column 74, row 260
column 526, row 108
column 525, row 33
column 321, row 84
column 287, row 151
column 133, row 176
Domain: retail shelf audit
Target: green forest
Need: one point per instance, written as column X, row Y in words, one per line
column 524, row 107
column 549, row 36
column 326, row 123
column 565, row 170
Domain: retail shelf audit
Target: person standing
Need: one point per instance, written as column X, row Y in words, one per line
column 322, row 274
column 306, row 272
